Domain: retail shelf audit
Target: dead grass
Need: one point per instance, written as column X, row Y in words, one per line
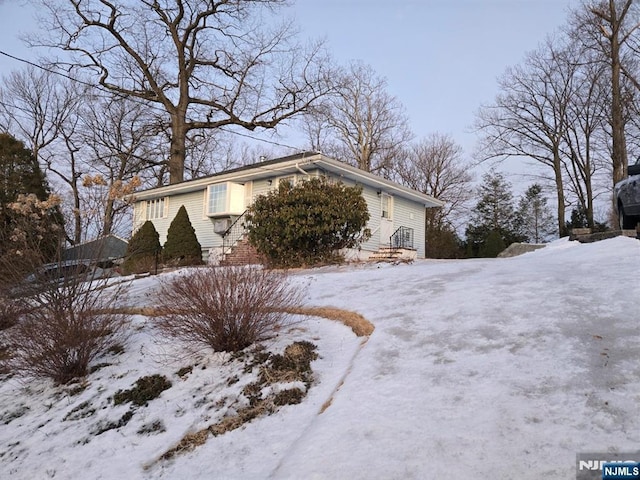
column 360, row 325
column 293, row 365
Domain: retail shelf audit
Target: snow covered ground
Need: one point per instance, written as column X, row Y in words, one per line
column 487, row 368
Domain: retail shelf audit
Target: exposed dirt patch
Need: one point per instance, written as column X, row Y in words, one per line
column 293, row 366
column 145, row 389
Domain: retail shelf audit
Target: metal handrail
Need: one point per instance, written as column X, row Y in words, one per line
column 402, row 238
column 234, row 233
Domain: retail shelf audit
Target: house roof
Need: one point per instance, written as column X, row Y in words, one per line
column 288, row 165
column 108, row 247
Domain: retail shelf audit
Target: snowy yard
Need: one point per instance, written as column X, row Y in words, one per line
column 496, row 368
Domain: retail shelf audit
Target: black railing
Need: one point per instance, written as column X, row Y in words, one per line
column 234, row 233
column 402, row 238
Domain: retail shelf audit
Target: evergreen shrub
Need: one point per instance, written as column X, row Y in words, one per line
column 182, row 246
column 308, row 224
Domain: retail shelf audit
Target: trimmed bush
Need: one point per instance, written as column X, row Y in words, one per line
column 142, row 249
column 226, row 308
column 182, row 246
column 308, row 224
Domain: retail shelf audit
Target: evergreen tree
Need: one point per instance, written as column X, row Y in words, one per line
column 493, row 213
column 442, row 241
column 579, row 220
column 182, row 246
column 21, row 179
column 143, row 249
column 536, row 221
column 492, row 246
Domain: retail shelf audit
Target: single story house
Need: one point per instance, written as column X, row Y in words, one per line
column 103, row 249
column 216, row 203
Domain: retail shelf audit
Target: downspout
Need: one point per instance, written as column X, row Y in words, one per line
column 301, row 170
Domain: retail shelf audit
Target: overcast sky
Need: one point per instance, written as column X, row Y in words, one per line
column 441, row 57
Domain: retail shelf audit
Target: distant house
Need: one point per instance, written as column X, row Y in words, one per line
column 216, row 204
column 107, row 248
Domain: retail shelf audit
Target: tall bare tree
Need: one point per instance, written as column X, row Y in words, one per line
column 587, row 136
column 122, row 153
column 43, row 110
column 529, row 117
column 204, row 64
column 435, row 166
column 34, row 104
column 362, row 124
column 616, row 25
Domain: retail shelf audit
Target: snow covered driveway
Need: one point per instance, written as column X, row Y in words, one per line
column 497, row 369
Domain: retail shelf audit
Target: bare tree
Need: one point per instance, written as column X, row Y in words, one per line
column 204, row 64
column 122, row 152
column 614, row 21
column 435, row 166
column 529, row 117
column 43, row 110
column 33, row 105
column 362, row 124
column 586, row 141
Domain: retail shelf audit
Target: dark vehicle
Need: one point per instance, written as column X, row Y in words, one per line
column 627, row 195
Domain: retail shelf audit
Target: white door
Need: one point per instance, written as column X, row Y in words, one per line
column 386, row 220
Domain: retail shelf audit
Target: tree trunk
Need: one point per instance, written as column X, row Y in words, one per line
column 108, row 217
column 178, row 150
column 557, row 168
column 617, row 119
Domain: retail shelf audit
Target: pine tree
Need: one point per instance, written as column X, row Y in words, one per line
column 536, row 221
column 182, row 246
column 493, row 213
column 492, row 246
column 21, row 177
column 143, row 249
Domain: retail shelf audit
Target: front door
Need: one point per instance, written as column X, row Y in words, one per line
column 386, row 220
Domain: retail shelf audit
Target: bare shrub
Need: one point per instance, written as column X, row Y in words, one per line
column 9, row 312
column 226, row 308
column 64, row 327
column 63, row 308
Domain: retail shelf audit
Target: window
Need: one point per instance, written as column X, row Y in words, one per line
column 217, row 199
column 157, row 208
column 224, row 199
column 386, row 206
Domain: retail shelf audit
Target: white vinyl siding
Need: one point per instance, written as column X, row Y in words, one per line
column 411, row 214
column 202, row 224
